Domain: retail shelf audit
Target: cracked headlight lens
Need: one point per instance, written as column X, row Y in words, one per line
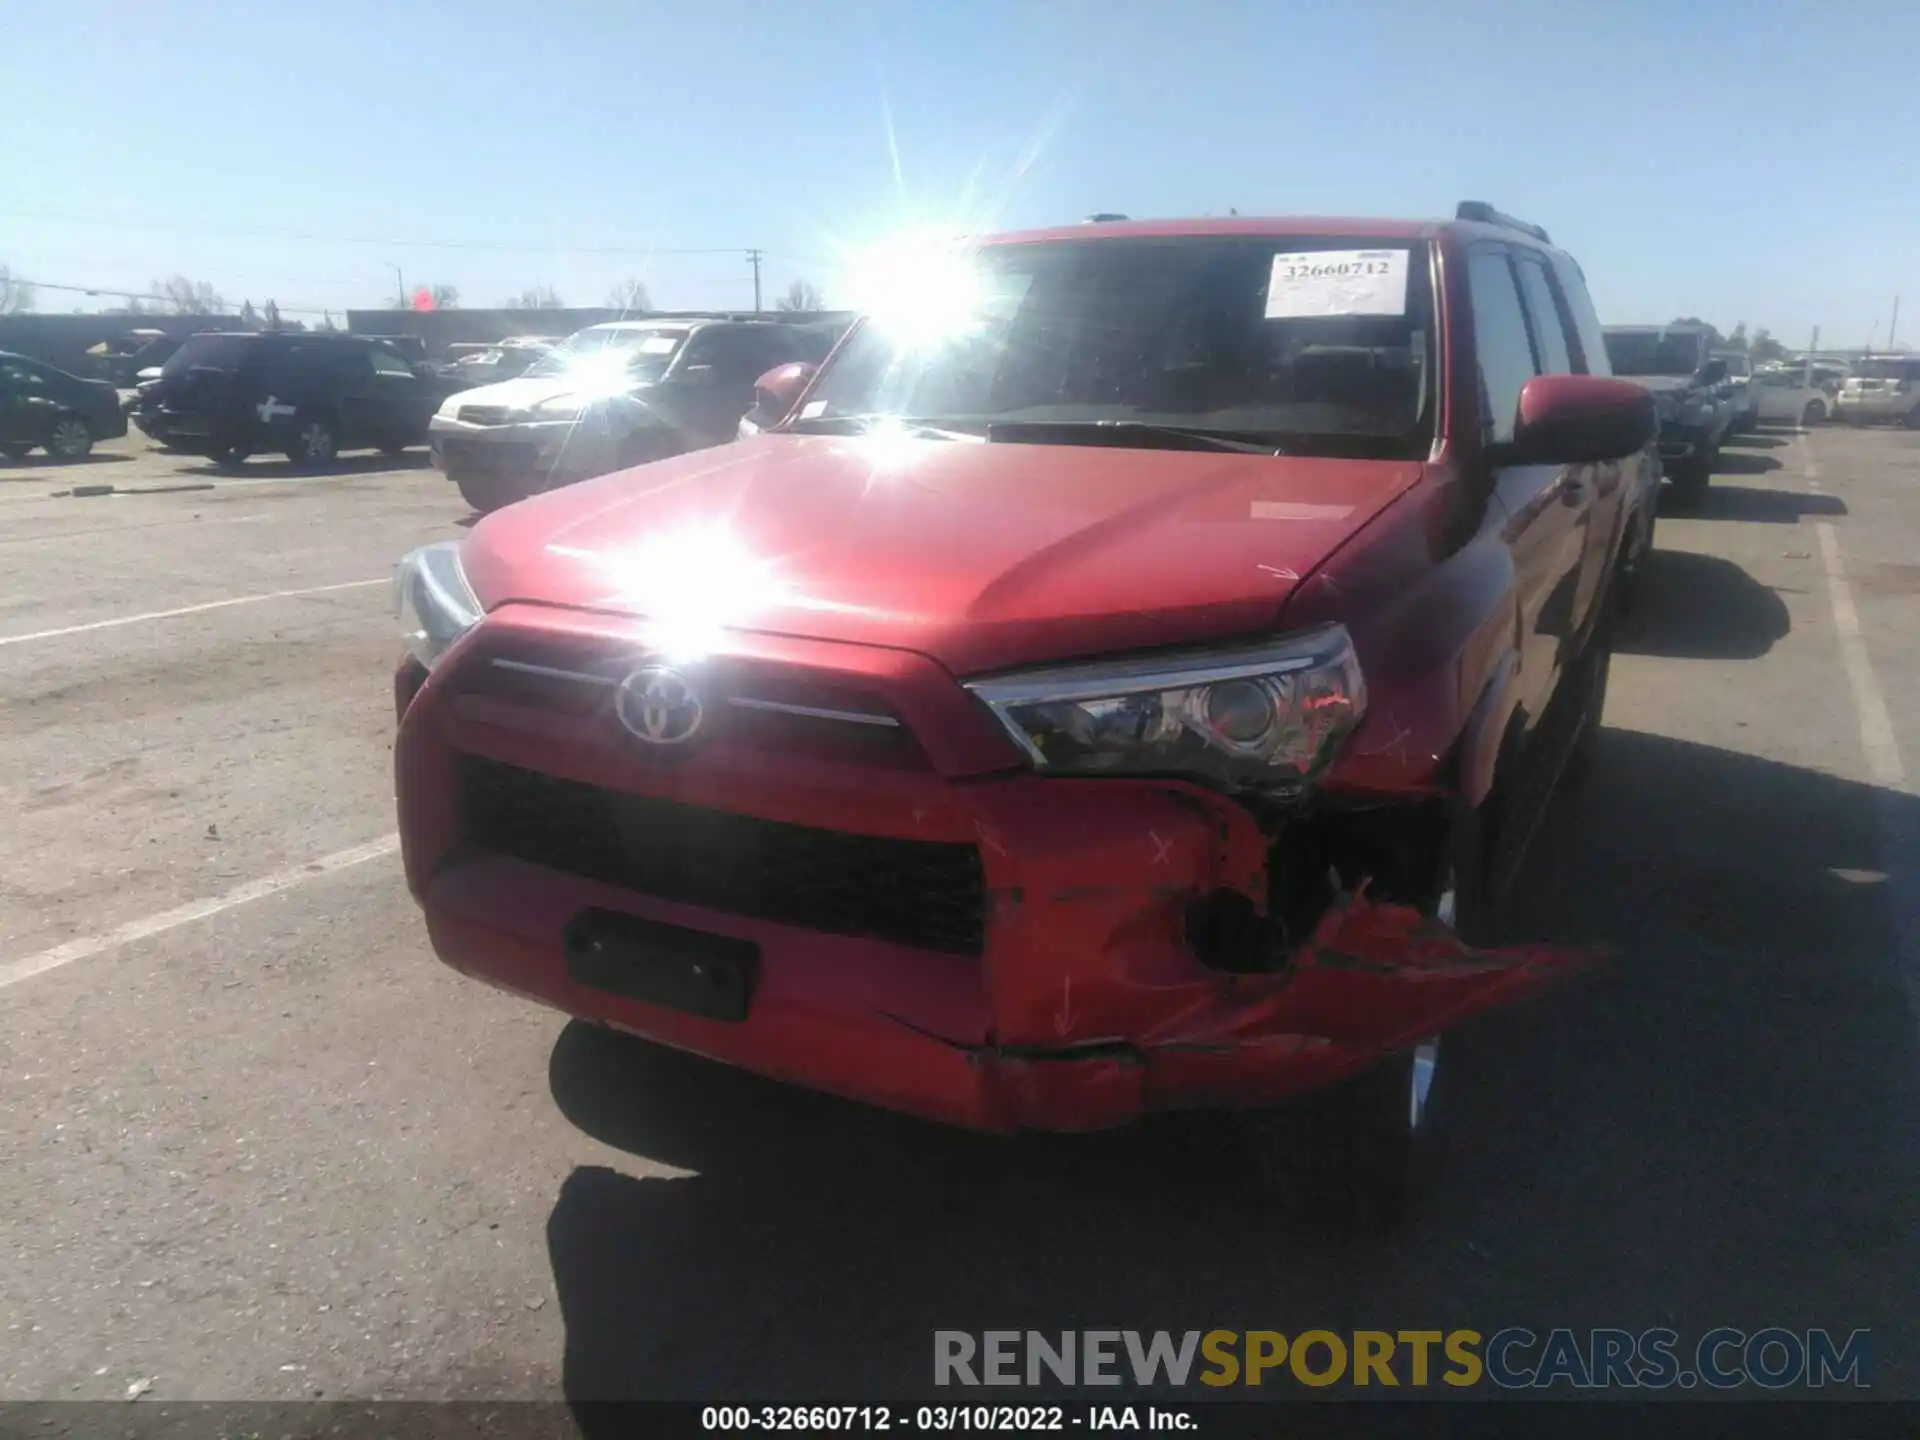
column 1267, row 717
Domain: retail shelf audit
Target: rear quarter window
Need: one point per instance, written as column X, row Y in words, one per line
column 219, row 352
column 1588, row 337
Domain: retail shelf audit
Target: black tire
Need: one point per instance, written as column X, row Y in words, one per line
column 1357, row 1157
column 13, row 450
column 1913, row 418
column 487, row 492
column 1814, row 414
column 316, row 443
column 229, row 456
column 393, row 449
column 70, row 439
column 1690, row 484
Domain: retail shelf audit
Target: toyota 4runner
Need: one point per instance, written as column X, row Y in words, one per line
column 1127, row 680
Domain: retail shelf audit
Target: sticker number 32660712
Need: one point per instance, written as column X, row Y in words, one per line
column 1337, row 282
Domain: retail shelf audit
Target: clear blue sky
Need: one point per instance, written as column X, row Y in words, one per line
column 1741, row 161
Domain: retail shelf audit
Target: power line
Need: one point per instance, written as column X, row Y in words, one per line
column 111, row 292
column 257, row 234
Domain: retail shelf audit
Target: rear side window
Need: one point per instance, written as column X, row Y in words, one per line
column 1590, row 338
column 219, row 352
column 1504, row 348
column 385, row 362
column 1543, row 314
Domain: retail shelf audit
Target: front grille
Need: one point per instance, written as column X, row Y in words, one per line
column 759, row 707
column 925, row 894
column 484, row 414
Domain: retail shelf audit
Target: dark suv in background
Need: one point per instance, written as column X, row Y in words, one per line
column 1677, row 364
column 309, row 397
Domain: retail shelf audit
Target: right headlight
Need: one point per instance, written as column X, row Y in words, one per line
column 432, row 600
column 1267, row 717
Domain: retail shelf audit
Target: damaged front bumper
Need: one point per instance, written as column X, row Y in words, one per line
column 1095, row 994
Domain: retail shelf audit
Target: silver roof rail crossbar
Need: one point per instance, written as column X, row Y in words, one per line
column 1485, row 214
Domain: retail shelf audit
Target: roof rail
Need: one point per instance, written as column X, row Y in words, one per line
column 1485, row 214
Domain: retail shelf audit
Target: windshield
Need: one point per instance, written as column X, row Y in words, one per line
column 1887, row 369
column 1737, row 364
column 1313, row 345
column 1652, row 352
column 639, row 354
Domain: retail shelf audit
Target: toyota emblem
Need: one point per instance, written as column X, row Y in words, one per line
column 660, row 706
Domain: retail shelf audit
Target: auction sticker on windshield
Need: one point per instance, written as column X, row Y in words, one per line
column 1337, row 282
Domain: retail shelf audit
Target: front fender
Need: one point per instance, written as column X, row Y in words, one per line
column 1484, row 737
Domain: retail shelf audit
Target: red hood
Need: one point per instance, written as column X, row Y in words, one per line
column 983, row 556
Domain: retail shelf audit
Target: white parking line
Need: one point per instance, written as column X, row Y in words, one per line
column 185, row 610
column 14, row 971
column 1894, row 801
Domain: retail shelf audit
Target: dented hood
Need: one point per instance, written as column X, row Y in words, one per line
column 982, row 556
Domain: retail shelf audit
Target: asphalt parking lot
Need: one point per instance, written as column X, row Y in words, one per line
column 259, row 1144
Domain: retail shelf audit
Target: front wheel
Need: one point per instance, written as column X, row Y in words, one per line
column 1690, row 484
column 315, row 442
column 1359, row 1156
column 71, row 439
column 1913, row 418
column 1814, row 414
column 487, row 492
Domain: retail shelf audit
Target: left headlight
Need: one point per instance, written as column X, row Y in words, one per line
column 1267, row 717
column 432, row 600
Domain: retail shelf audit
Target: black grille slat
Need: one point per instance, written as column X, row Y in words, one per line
column 926, row 894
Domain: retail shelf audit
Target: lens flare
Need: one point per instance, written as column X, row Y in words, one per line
column 691, row 585
column 920, row 287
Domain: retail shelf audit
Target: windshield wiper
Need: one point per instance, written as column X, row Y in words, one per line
column 864, row 424
column 1125, row 432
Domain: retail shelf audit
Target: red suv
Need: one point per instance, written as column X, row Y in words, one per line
column 1125, row 681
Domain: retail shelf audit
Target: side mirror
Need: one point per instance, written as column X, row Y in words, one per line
column 1581, row 420
column 778, row 391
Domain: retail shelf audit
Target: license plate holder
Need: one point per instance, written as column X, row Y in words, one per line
column 655, row 963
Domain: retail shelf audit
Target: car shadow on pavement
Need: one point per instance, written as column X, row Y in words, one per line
column 1741, row 462
column 1715, row 1129
column 39, row 463
column 264, row 469
column 1780, row 507
column 1701, row 607
column 1753, row 441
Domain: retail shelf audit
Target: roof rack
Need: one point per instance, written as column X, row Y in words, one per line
column 1485, row 214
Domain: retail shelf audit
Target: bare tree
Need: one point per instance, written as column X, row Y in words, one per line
column 189, row 297
column 16, row 296
column 445, row 297
column 535, row 297
column 801, row 295
column 630, row 295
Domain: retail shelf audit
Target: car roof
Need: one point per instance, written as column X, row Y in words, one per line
column 1252, row 226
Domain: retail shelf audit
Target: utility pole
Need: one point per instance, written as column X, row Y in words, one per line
column 1894, row 323
column 753, row 259
column 400, row 286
